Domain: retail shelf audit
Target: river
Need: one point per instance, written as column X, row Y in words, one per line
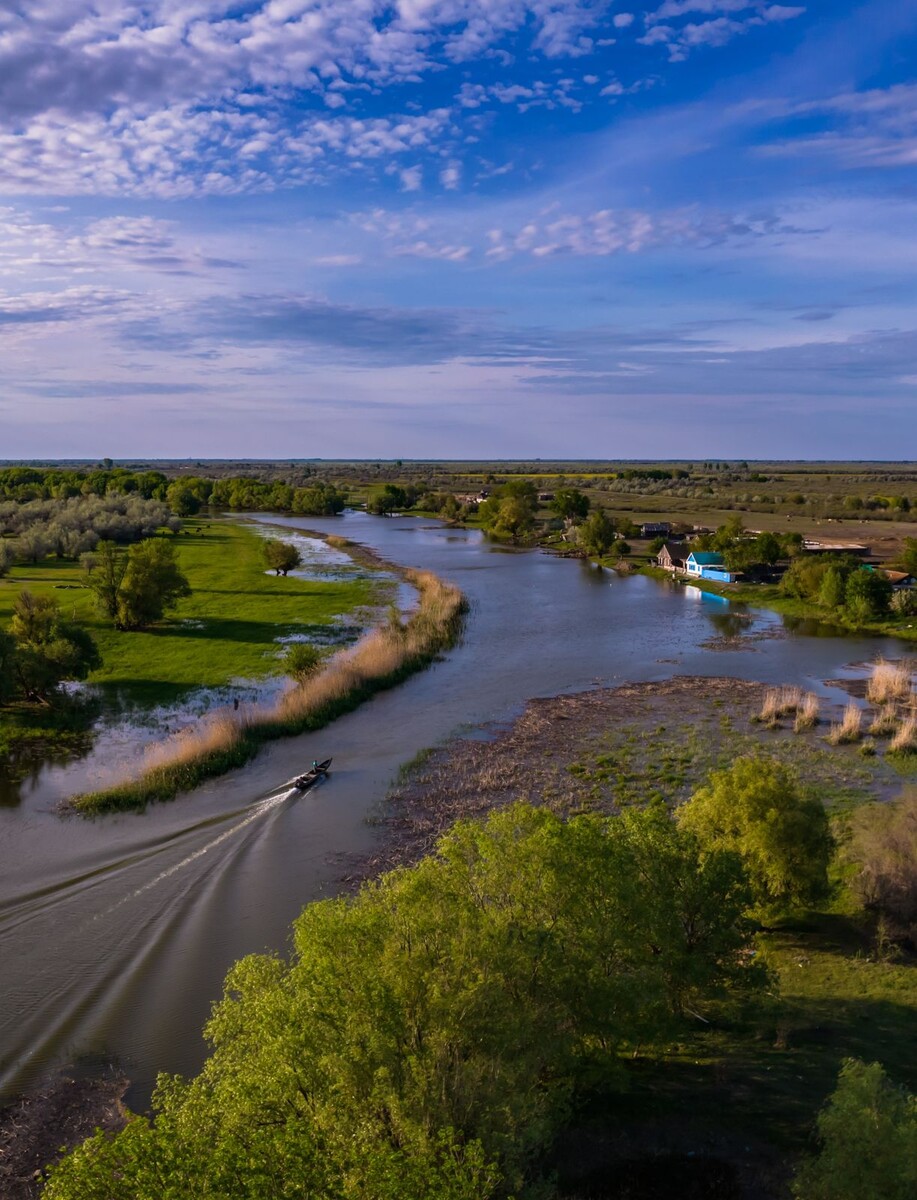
column 115, row 933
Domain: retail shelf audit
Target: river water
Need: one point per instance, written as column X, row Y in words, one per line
column 115, row 933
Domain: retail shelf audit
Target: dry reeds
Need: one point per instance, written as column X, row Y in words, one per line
column 885, row 721
column 806, row 713
column 890, row 682
column 228, row 739
column 849, row 728
column 780, row 702
column 905, row 740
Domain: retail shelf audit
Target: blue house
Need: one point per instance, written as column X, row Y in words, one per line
column 707, row 564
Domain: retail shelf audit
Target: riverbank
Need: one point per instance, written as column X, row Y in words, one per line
column 38, row 1129
column 228, row 739
column 740, row 1095
column 764, row 595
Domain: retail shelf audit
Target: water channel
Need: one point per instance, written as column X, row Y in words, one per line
column 115, row 934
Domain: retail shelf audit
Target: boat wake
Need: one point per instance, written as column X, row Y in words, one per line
column 121, row 915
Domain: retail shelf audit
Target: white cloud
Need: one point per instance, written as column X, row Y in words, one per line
column 623, row 20
column 411, row 179
column 873, row 128
column 451, row 176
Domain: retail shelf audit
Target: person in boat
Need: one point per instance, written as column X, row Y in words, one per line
column 314, row 764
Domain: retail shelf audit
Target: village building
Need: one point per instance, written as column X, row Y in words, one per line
column 653, row 529
column 707, row 564
column 671, row 556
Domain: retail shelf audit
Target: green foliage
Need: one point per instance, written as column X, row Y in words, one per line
column 42, row 651
column 281, row 557
column 319, row 500
column 151, row 584
column 597, row 533
column 908, row 559
column 867, row 594
column 868, row 1133
column 512, row 517
column 755, row 809
column 390, row 499
column 571, row 504
column 186, row 497
column 301, row 661
column 104, row 575
column 429, row 1035
column 832, row 590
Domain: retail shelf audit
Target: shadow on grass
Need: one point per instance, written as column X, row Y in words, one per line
column 257, row 632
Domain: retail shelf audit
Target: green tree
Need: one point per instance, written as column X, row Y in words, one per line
column 281, row 557
column 301, row 661
column 152, row 583
column 597, row 533
column 182, row 498
column 425, row 1039
column 832, row 591
column 8, row 685
column 867, row 595
column 908, row 559
column 756, row 810
column 571, row 504
column 868, row 1134
column 105, row 575
column 514, row 517
column 767, row 548
column 47, row 650
column 7, row 558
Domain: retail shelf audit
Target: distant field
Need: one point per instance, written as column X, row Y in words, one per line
column 226, row 629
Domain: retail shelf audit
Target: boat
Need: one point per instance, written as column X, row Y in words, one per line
column 303, row 782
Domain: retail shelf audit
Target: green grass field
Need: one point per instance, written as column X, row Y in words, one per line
column 225, row 630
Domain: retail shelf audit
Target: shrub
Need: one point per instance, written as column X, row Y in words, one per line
column 756, row 810
column 883, row 850
column 868, row 1134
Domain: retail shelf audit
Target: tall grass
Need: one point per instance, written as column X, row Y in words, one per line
column 890, row 682
column 780, row 702
column 806, row 713
column 226, row 740
column 849, row 728
column 885, row 721
column 905, row 740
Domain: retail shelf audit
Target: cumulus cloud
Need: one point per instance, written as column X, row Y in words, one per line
column 717, row 31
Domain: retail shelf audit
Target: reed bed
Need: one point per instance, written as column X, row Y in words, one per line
column 806, row 713
column 781, row 702
column 890, row 682
column 849, row 728
column 905, row 740
column 381, row 658
column 885, row 721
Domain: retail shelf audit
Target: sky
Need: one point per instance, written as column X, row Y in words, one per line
column 458, row 229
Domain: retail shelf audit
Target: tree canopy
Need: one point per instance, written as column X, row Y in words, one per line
column 281, row 557
column 429, row 1035
column 756, row 810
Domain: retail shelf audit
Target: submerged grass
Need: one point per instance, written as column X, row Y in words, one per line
column 226, row 740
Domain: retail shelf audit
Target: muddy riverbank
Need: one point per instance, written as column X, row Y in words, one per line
column 602, row 750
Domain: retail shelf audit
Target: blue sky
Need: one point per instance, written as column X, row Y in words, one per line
column 458, row 228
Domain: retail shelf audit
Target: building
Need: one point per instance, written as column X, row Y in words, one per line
column 654, row 529
column 814, row 547
column 707, row 564
column 672, row 556
column 900, row 580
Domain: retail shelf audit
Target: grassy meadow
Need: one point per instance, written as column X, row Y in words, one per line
column 226, row 629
